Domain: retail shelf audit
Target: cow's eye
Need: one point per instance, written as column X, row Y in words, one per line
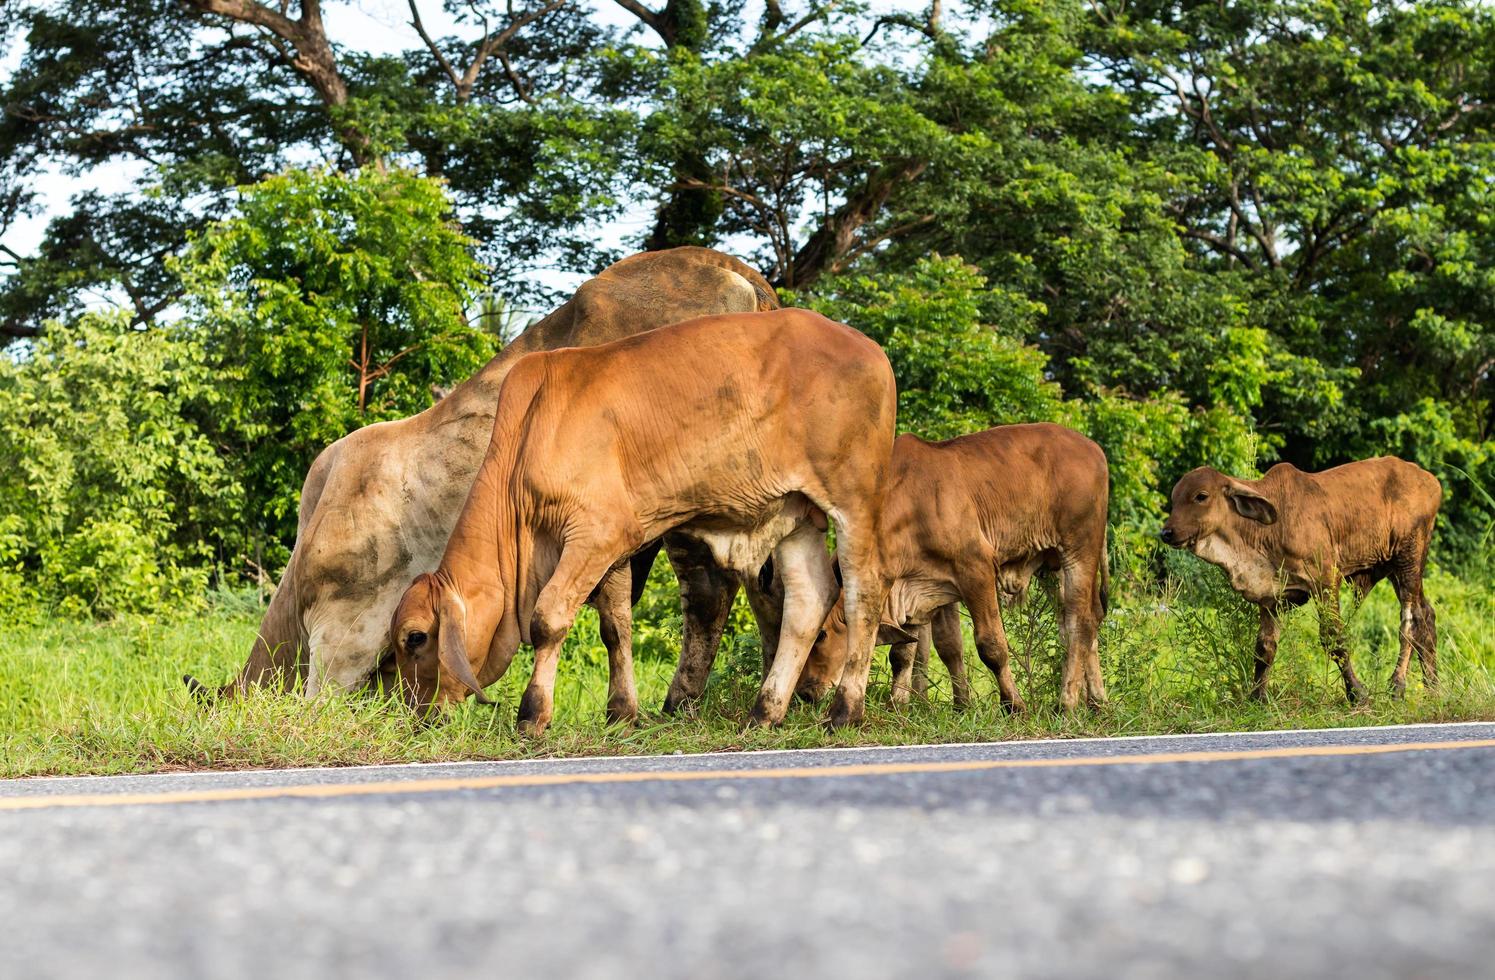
column 821, row 637
column 1201, row 497
column 414, row 639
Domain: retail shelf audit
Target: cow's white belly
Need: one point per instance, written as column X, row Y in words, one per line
column 1251, row 574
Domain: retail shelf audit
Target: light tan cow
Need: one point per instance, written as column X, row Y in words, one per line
column 971, row 517
column 1292, row 536
column 743, row 432
column 378, row 505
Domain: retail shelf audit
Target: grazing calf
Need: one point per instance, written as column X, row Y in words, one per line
column 1292, row 536
column 743, row 432
column 970, row 517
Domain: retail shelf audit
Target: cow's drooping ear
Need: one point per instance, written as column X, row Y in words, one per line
column 1250, row 504
column 888, row 634
column 452, row 644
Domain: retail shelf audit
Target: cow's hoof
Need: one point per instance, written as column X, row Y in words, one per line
column 843, row 715
column 1016, row 707
column 622, row 714
column 1357, row 694
column 1398, row 689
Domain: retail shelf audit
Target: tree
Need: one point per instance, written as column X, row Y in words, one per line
column 329, row 301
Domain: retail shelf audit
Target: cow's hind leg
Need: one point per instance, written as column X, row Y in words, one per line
column 615, row 622
column 950, row 644
column 580, row 568
column 809, row 591
column 706, row 594
column 862, row 594
column 1332, row 636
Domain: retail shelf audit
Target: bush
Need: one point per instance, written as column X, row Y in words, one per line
column 112, row 499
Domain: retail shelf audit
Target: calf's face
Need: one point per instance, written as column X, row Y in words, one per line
column 1206, row 501
column 822, row 670
column 429, row 648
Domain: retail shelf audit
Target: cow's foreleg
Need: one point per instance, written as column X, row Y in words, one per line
column 862, row 591
column 809, row 591
column 580, row 568
column 991, row 642
column 1267, row 632
column 950, row 644
column 706, row 594
column 615, row 622
column 1331, row 635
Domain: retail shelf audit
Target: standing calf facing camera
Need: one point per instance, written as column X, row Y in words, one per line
column 744, row 432
column 1293, row 536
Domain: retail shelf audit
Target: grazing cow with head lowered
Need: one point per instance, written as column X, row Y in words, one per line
column 977, row 515
column 378, row 505
column 742, row 432
column 1292, row 536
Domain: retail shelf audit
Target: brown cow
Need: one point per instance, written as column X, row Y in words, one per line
column 743, row 432
column 1292, row 536
column 379, row 504
column 970, row 517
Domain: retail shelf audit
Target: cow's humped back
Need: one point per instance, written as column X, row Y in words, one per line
column 639, row 293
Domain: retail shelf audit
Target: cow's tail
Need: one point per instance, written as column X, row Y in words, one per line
column 1105, row 575
column 273, row 659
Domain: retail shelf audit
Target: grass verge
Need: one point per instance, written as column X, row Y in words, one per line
column 80, row 698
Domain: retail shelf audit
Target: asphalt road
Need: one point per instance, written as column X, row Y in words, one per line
column 1358, row 853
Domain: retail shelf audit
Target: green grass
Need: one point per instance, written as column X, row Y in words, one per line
column 107, row 697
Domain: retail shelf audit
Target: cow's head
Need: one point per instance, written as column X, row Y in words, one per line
column 427, row 636
column 1207, row 501
column 822, row 670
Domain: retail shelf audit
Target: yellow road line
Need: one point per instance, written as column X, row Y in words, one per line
column 446, row 785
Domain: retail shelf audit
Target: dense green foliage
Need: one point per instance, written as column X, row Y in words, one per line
column 328, row 302
column 111, row 498
column 1202, row 233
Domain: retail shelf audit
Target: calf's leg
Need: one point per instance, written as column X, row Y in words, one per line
column 1418, row 628
column 1267, row 632
column 991, row 642
column 1331, row 635
column 1079, row 624
column 949, row 643
column 904, row 659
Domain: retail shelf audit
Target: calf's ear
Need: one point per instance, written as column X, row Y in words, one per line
column 1250, row 504
column 888, row 634
column 452, row 645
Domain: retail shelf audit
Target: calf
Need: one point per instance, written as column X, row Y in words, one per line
column 971, row 517
column 742, row 431
column 1292, row 536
